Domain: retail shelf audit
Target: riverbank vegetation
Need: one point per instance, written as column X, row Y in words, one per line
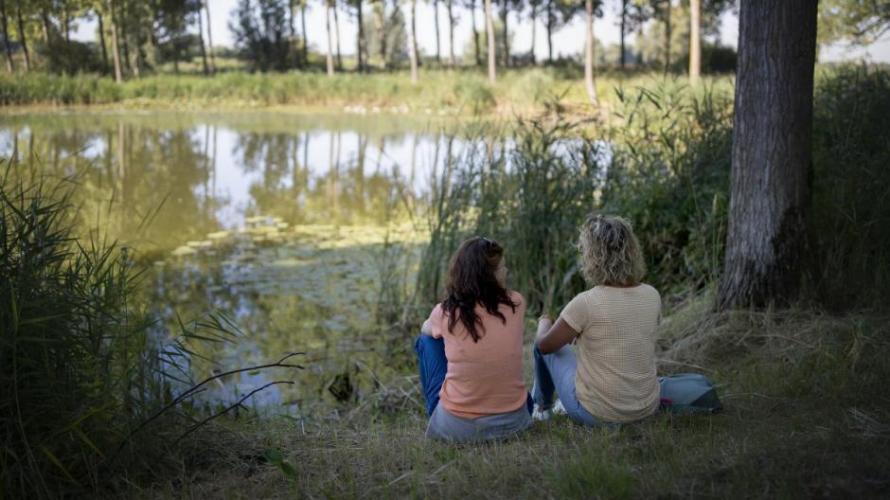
column 802, row 386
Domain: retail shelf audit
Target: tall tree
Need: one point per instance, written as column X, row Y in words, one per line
column 438, row 36
column 771, row 153
column 209, row 36
column 412, row 41
column 449, row 9
column 115, row 46
column 533, row 18
column 505, row 15
column 101, row 31
column 622, row 27
column 361, row 40
column 329, row 56
column 10, row 65
column 489, row 30
column 22, row 34
column 551, row 23
column 337, row 33
column 204, row 63
column 477, row 50
column 589, row 83
column 694, row 40
column 305, row 46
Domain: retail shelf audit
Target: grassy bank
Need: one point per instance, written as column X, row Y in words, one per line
column 804, row 417
column 439, row 91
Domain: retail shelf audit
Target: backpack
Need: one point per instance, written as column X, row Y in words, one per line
column 688, row 394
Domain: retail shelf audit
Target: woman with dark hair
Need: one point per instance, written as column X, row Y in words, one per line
column 470, row 351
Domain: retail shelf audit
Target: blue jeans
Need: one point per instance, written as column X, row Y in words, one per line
column 556, row 372
column 433, row 366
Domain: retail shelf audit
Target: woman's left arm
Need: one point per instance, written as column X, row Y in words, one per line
column 552, row 337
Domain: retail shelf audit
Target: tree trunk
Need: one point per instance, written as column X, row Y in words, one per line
column 667, row 36
column 201, row 41
column 329, row 56
column 337, row 33
column 771, row 153
column 360, row 41
column 102, row 45
column 412, row 41
column 22, row 37
column 475, row 34
column 115, row 49
column 623, row 47
column 66, row 21
column 10, row 65
column 489, row 30
column 589, row 83
column 550, row 22
column 534, row 18
column 694, row 41
column 504, row 14
column 382, row 36
column 450, row 9
column 124, row 39
column 438, row 37
column 303, row 32
column 209, row 37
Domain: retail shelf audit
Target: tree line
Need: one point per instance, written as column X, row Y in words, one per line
column 136, row 36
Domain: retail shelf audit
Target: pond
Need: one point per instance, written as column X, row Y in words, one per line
column 289, row 229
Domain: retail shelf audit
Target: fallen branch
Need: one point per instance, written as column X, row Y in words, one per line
column 229, row 408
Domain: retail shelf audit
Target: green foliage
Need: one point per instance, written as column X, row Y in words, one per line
column 74, row 361
column 474, row 93
column 857, row 21
column 670, row 177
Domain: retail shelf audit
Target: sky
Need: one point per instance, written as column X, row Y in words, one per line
column 567, row 41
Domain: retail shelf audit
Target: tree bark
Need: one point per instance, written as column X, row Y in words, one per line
column 489, row 30
column 667, row 36
column 209, row 37
column 550, row 22
column 534, row 18
column 337, row 33
column 22, row 36
column 360, row 41
column 771, row 153
column 589, row 83
column 382, row 36
column 438, row 37
column 694, row 41
column 305, row 35
column 201, row 41
column 102, row 44
column 412, row 41
column 329, row 56
column 504, row 15
column 10, row 65
column 622, row 43
column 115, row 49
column 475, row 34
column 449, row 5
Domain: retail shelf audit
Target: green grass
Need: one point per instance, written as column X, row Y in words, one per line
column 804, row 416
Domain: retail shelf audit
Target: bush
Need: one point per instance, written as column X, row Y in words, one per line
column 850, row 214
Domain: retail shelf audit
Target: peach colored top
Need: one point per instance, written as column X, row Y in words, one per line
column 483, row 378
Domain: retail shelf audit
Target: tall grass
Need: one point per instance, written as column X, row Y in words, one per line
column 73, row 359
column 92, row 386
column 463, row 92
column 663, row 161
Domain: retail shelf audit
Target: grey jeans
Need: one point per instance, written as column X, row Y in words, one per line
column 446, row 426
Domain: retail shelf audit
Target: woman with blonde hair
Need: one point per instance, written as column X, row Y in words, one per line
column 609, row 377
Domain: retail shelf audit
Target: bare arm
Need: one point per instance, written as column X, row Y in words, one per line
column 426, row 328
column 551, row 337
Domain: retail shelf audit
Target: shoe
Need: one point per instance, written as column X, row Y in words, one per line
column 539, row 414
column 558, row 408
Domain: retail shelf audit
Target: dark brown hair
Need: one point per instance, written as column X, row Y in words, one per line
column 472, row 280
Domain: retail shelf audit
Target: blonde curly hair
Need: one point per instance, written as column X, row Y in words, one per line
column 610, row 252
